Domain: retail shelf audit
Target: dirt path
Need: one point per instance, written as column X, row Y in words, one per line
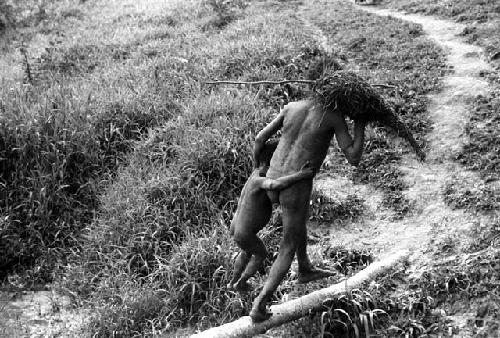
column 38, row 314
column 432, row 218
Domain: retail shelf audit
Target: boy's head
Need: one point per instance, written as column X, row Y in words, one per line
column 266, row 154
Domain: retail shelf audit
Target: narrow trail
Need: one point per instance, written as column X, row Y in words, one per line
column 448, row 113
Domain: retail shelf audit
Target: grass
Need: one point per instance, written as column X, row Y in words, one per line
column 481, row 152
column 397, row 55
column 186, row 176
column 120, row 170
column 466, row 193
column 482, row 19
column 327, row 209
column 461, row 272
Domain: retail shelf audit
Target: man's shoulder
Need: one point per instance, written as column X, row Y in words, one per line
column 297, row 106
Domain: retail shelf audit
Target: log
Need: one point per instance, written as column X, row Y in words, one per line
column 300, row 307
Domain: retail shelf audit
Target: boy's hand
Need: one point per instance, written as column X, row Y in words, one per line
column 308, row 170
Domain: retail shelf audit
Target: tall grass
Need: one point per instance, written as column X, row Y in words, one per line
column 62, row 137
column 162, row 222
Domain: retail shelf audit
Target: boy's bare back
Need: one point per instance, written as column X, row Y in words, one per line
column 254, row 207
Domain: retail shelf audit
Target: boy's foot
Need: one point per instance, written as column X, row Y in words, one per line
column 242, row 287
column 314, row 274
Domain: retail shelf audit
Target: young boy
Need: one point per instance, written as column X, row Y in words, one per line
column 253, row 212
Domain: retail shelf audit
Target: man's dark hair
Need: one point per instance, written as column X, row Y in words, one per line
column 351, row 95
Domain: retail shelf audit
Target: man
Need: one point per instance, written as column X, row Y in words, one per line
column 307, row 129
column 253, row 212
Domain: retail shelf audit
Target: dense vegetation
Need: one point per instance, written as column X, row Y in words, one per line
column 120, row 169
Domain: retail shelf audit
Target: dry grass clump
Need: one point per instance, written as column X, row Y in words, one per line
column 350, row 94
column 461, row 10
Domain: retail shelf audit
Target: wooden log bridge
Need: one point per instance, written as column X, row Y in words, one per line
column 300, row 307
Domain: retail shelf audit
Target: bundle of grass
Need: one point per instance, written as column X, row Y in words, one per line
column 354, row 97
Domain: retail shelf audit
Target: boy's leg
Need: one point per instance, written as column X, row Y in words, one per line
column 259, row 253
column 239, row 266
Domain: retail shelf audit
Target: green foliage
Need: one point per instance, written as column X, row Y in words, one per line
column 187, row 287
column 482, row 151
column 5, row 16
column 166, row 207
column 481, row 16
column 378, row 168
column 51, row 161
column 329, row 209
column 460, row 10
column 397, row 56
column 348, row 261
column 225, row 11
column 461, row 193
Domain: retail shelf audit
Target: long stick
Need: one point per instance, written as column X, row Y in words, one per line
column 282, row 82
column 260, row 82
column 302, row 306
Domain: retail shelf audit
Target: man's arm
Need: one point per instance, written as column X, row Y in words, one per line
column 284, row 182
column 352, row 149
column 265, row 134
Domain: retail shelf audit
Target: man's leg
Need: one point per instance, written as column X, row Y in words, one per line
column 294, row 202
column 292, row 220
column 307, row 272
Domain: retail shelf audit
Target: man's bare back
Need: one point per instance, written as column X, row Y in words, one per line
column 307, row 132
column 307, row 129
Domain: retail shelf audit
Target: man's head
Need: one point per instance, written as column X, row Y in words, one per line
column 350, row 95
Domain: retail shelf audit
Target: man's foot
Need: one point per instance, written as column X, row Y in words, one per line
column 259, row 315
column 314, row 274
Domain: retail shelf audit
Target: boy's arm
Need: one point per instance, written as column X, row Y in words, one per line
column 265, row 134
column 352, row 149
column 284, row 182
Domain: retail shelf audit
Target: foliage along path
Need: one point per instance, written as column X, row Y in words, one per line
column 448, row 109
column 431, row 218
